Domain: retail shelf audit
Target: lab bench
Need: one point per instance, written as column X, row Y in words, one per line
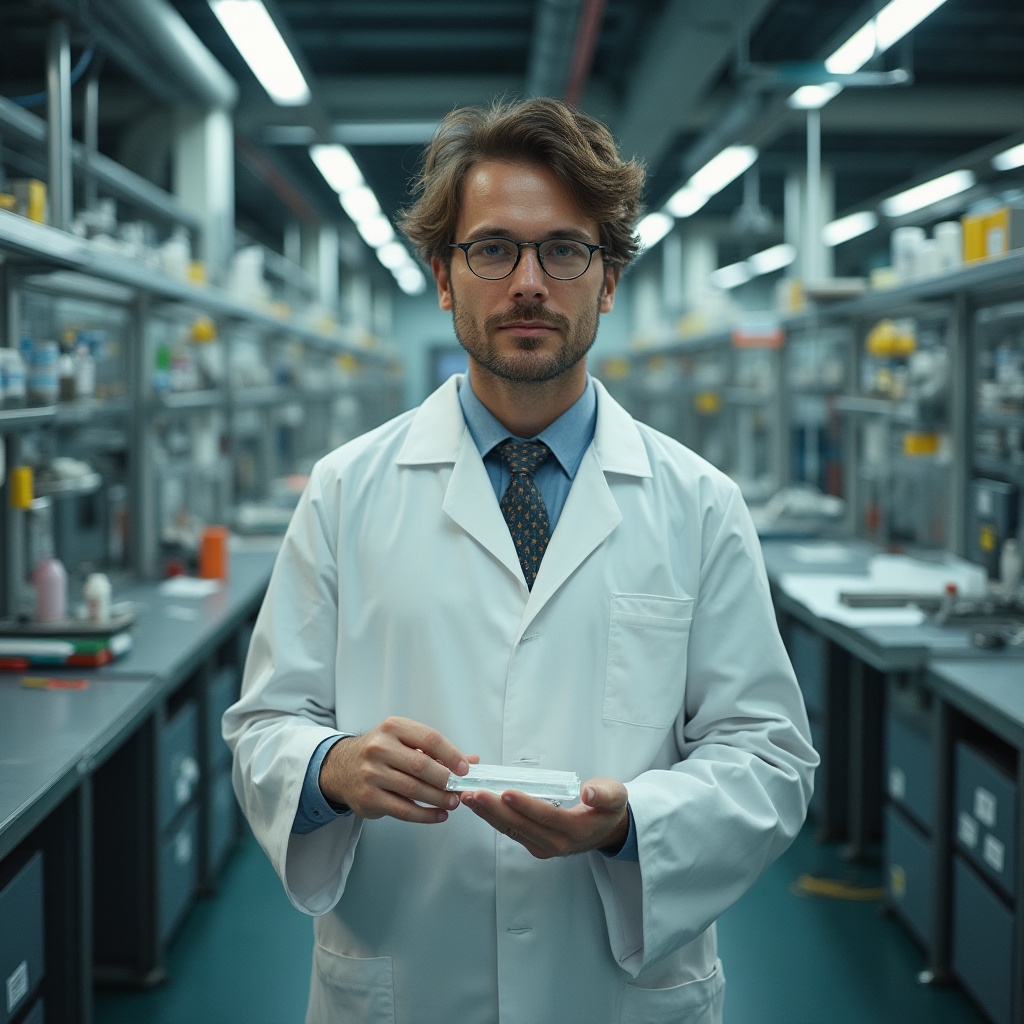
column 116, row 807
column 921, row 735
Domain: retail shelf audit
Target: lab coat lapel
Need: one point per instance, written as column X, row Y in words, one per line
column 591, row 512
column 439, row 436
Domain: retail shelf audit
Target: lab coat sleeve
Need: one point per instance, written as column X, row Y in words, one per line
column 287, row 706
column 733, row 802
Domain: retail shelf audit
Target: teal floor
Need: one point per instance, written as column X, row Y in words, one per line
column 243, row 956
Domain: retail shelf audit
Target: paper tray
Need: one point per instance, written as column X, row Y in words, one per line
column 558, row 787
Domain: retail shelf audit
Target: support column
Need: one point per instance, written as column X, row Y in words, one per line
column 58, row 91
column 204, row 182
column 804, row 218
column 320, row 256
column 699, row 261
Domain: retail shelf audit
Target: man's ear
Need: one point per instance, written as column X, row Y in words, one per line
column 443, row 278
column 611, row 280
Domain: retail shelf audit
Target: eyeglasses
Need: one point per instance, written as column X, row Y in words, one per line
column 564, row 259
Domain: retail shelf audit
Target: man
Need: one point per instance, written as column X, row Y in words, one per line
column 519, row 573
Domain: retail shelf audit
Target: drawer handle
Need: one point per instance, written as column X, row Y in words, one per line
column 183, row 847
column 185, row 780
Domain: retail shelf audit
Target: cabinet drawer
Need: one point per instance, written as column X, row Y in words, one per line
column 982, row 942
column 985, row 815
column 224, row 819
column 179, row 872
column 223, row 693
column 21, row 938
column 179, row 761
column 909, row 871
column 910, row 767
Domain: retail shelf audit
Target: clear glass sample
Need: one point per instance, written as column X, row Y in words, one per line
column 558, row 787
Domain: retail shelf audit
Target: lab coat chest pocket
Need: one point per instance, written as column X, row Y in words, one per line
column 349, row 988
column 646, row 673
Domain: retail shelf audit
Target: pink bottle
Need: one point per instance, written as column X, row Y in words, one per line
column 51, row 583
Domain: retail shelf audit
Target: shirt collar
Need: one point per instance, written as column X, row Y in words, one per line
column 568, row 437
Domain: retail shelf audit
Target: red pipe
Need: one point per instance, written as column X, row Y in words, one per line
column 583, row 51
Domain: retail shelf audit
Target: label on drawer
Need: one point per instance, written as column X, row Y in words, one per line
column 985, row 807
column 897, row 783
column 17, row 986
column 967, row 830
column 993, row 853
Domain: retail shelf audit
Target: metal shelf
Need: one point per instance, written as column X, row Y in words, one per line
column 82, row 410
column 188, row 401
column 1004, row 469
column 12, row 420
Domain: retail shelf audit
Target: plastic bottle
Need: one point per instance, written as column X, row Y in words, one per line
column 51, row 583
column 1011, row 567
column 97, row 597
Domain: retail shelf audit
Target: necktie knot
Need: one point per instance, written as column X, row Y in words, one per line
column 523, row 456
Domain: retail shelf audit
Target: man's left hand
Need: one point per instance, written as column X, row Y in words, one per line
column 599, row 821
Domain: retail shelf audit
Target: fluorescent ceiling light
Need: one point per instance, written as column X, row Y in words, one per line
column 360, row 203
column 842, row 230
column 920, row 196
column 814, row 97
column 653, row 228
column 1009, row 158
column 884, row 30
column 335, row 163
column 411, row 280
column 769, row 260
column 686, row 202
column 383, row 133
column 253, row 31
column 376, row 231
column 731, row 276
column 393, row 255
column 722, row 169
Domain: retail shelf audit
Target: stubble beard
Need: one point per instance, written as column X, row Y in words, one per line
column 478, row 341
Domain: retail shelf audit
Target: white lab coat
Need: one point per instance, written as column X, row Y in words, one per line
column 647, row 651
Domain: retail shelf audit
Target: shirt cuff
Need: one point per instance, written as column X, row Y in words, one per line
column 630, row 849
column 314, row 810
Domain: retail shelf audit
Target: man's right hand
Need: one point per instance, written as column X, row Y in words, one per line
column 393, row 769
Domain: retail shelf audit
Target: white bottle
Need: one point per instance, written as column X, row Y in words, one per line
column 51, row 583
column 97, row 597
column 1011, row 566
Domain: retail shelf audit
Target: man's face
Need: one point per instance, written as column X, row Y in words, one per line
column 527, row 327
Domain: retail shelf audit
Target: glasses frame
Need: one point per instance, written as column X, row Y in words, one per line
column 465, row 247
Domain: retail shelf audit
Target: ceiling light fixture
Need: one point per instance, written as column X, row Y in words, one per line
column 722, row 169
column 410, row 279
column 769, row 260
column 335, row 163
column 653, row 228
column 920, row 196
column 685, row 202
column 376, row 231
column 360, row 203
column 1009, row 158
column 731, row 276
column 258, row 40
column 852, row 226
column 883, row 31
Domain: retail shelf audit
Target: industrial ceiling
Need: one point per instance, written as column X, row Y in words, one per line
column 676, row 80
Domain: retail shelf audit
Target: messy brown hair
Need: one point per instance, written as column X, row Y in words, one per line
column 578, row 149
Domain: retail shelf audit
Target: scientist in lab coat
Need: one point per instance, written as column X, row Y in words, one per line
column 617, row 623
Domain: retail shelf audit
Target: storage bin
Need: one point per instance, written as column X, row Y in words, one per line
column 909, row 873
column 179, row 872
column 982, row 942
column 21, row 938
column 179, row 762
column 985, row 815
column 910, row 767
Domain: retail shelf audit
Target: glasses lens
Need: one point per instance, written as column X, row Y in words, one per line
column 492, row 258
column 564, row 258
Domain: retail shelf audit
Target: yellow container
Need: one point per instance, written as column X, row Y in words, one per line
column 707, row 403
column 21, row 487
column 974, row 237
column 1004, row 230
column 915, row 443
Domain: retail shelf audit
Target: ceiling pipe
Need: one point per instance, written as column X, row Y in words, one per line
column 583, row 53
column 551, row 50
column 175, row 50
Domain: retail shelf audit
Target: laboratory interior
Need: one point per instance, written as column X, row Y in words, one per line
column 205, row 288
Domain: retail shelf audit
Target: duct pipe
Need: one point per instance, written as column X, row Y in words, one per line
column 583, row 53
column 157, row 27
column 552, row 47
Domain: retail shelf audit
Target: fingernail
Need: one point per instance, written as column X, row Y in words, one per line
column 453, row 802
column 589, row 794
column 469, row 800
column 508, row 799
column 462, row 767
column 442, row 816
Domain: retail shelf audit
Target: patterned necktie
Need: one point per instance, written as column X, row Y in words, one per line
column 522, row 505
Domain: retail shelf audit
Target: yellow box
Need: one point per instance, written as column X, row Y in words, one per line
column 973, row 225
column 920, row 444
column 1004, row 230
column 20, row 495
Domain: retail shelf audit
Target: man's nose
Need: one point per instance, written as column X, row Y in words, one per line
column 528, row 280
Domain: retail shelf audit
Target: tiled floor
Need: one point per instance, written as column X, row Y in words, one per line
column 243, row 956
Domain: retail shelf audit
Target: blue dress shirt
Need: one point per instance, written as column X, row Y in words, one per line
column 568, row 438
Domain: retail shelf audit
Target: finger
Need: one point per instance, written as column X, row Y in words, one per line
column 430, row 742
column 395, row 806
column 604, row 794
column 409, row 787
